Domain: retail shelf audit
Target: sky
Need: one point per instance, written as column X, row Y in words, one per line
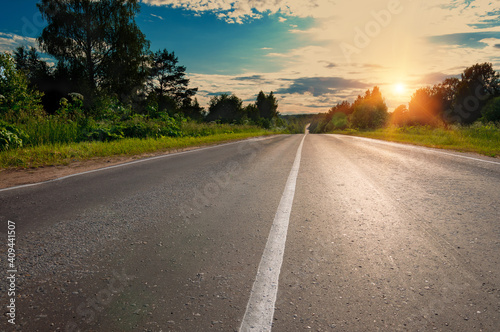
column 311, row 53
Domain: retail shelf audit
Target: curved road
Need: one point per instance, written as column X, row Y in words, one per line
column 298, row 232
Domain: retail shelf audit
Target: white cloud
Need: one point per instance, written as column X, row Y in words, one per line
column 391, row 36
column 238, row 11
column 157, row 16
column 9, row 42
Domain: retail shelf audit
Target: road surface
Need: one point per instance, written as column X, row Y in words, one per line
column 292, row 232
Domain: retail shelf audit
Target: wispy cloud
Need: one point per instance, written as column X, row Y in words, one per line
column 157, row 16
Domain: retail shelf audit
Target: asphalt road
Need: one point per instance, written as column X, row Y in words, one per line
column 361, row 235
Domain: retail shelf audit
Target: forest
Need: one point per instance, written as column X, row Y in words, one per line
column 106, row 84
column 474, row 97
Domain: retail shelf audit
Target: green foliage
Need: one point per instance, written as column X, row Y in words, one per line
column 62, row 154
column 339, row 122
column 28, row 61
column 98, row 42
column 71, row 109
column 455, row 101
column 491, row 112
column 478, row 84
column 51, row 130
column 370, row 111
column 225, row 109
column 477, row 138
column 400, row 117
column 9, row 140
column 11, row 137
column 18, row 102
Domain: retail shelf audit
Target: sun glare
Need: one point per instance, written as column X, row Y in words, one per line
column 399, row 88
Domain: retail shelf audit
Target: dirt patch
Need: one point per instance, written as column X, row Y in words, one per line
column 16, row 177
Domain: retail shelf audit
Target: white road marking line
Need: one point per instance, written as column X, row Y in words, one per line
column 416, row 147
column 260, row 308
column 135, row 162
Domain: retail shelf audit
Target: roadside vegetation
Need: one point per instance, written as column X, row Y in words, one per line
column 105, row 93
column 461, row 114
column 477, row 138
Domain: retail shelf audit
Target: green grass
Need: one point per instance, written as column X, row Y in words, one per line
column 49, row 131
column 478, row 138
column 64, row 154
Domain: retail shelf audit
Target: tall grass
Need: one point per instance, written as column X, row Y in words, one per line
column 65, row 153
column 50, row 130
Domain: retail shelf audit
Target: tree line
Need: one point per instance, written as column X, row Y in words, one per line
column 475, row 96
column 101, row 53
column 105, row 74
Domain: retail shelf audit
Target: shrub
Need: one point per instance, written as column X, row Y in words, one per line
column 491, row 112
column 11, row 137
column 18, row 102
column 72, row 109
column 366, row 116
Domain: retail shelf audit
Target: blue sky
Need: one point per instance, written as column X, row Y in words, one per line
column 312, row 54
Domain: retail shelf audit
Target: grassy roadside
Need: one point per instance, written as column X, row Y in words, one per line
column 482, row 139
column 64, row 154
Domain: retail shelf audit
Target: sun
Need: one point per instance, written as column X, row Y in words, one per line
column 399, row 88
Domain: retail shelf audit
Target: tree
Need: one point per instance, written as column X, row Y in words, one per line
column 35, row 69
column 18, row 102
column 52, row 83
column 491, row 112
column 193, row 110
column 168, row 80
column 370, row 111
column 225, row 108
column 98, row 42
column 478, row 85
column 400, row 116
column 267, row 105
column 425, row 107
column 252, row 113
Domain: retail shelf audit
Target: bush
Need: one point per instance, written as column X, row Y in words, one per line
column 18, row 103
column 339, row 122
column 101, row 132
column 366, row 116
column 11, row 137
column 71, row 109
column 491, row 112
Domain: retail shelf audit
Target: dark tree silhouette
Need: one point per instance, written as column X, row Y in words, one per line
column 267, row 105
column 479, row 84
column 225, row 108
column 97, row 41
column 167, row 80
